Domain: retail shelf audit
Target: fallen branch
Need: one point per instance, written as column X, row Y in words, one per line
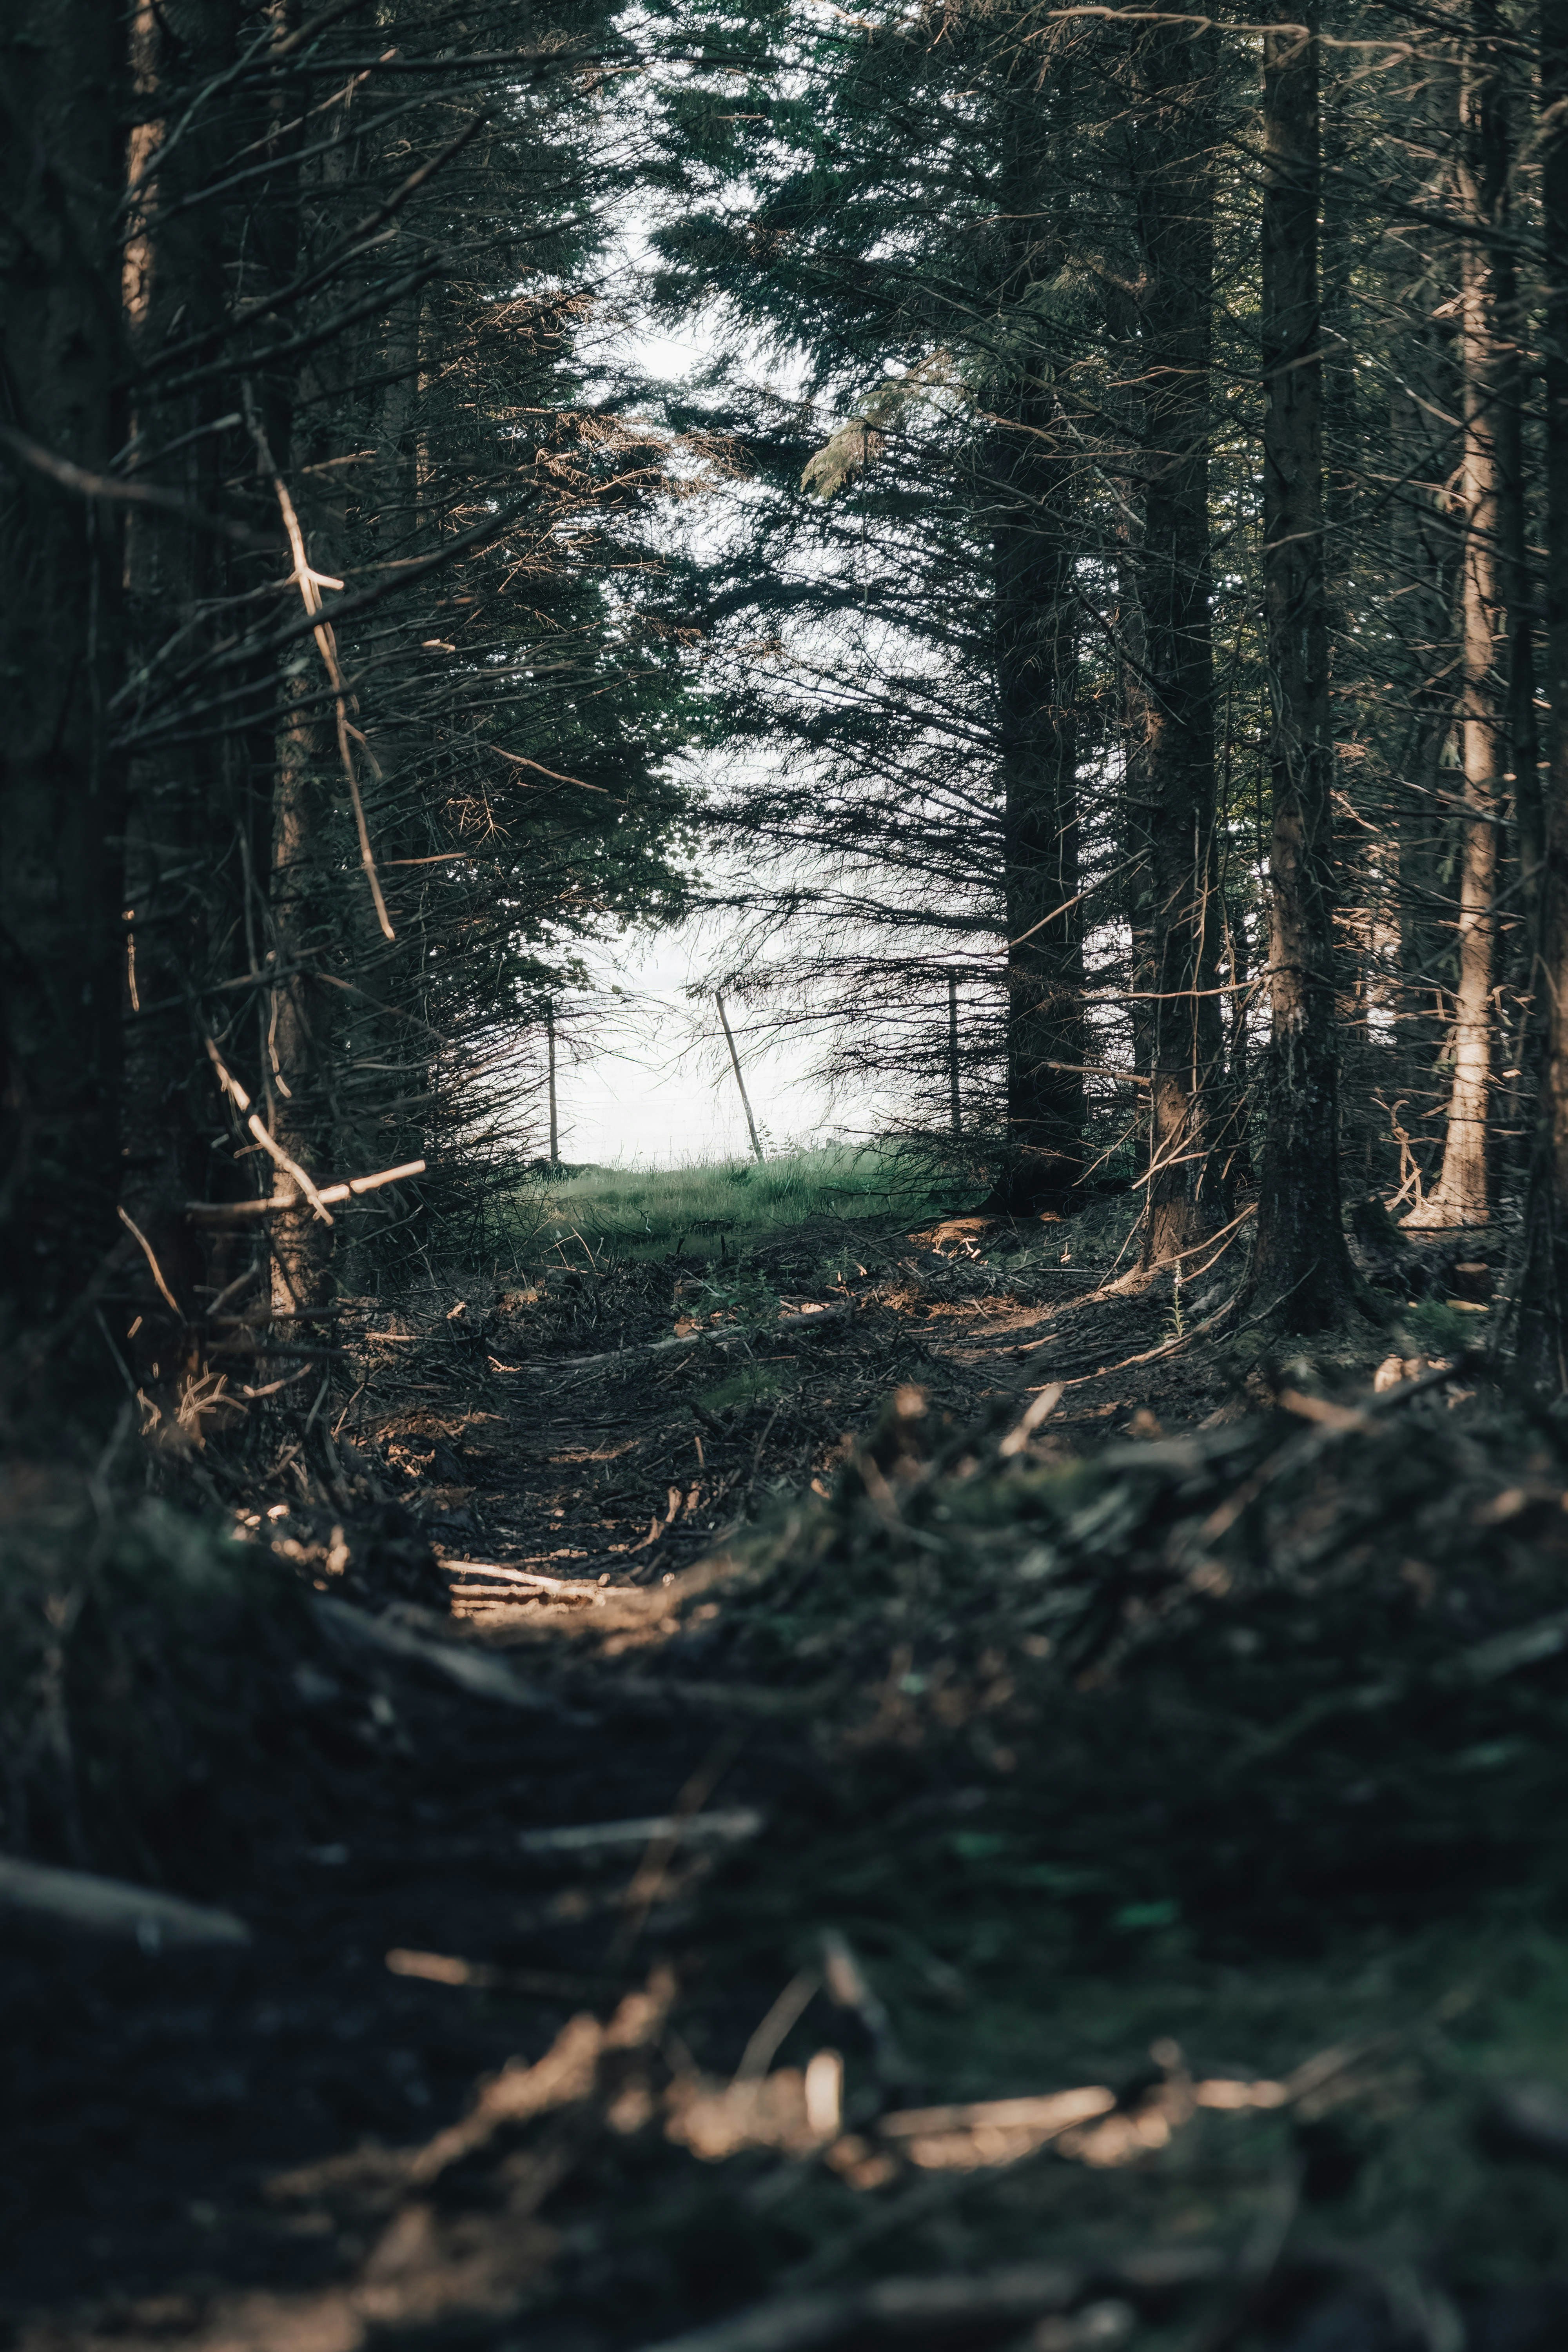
column 527, row 1580
column 550, row 1984
column 480, row 1676
column 930, row 2306
column 1049, row 2112
column 720, row 1338
column 79, row 1900
column 631, row 1693
column 729, row 1827
column 850, row 1988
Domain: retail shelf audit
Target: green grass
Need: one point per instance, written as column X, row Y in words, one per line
column 644, row 1211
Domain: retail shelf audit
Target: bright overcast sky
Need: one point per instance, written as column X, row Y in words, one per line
column 666, row 1094
column 662, row 1092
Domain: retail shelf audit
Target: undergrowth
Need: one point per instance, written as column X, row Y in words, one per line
column 149, row 1718
column 1231, row 1760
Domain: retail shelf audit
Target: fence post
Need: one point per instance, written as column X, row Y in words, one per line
column 952, row 1052
column 554, row 1131
column 739, row 1081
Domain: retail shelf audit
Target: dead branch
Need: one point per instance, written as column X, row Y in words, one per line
column 719, row 1338
column 78, row 1901
column 224, row 1213
column 730, row 1828
column 892, row 2308
column 481, row 1675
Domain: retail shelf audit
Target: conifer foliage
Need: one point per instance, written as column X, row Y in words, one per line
column 1128, row 600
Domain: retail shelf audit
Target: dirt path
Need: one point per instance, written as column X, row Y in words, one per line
column 531, row 1452
column 283, row 2149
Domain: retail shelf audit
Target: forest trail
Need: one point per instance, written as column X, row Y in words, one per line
column 527, row 2031
column 517, row 1444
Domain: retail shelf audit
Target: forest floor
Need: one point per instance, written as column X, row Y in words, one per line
column 968, row 1811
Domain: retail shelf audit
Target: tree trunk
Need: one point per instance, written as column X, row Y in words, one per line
column 298, row 1079
column 302, row 1075
column 1301, row 1268
column 1035, row 654
column 186, row 813
column 1522, row 776
column 62, row 944
column 1540, row 1289
column 1174, row 178
column 1461, row 1196
column 1424, row 575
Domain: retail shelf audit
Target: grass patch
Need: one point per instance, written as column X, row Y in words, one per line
column 644, row 1213
column 744, row 1387
column 1440, row 1328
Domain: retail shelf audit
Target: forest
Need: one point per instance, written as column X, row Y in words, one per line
column 951, row 1734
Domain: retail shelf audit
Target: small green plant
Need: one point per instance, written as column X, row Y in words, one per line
column 1436, row 1328
column 740, row 1298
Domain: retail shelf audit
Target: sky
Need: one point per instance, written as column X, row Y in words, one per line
column 663, row 1092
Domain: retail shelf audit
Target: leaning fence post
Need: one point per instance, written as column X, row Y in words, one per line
column 550, row 1039
column 739, row 1081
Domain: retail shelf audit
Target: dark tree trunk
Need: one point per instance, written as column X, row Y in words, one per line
column 185, row 868
column 309, row 847
column 1044, row 951
column 1035, row 654
column 62, row 947
column 1542, row 1285
column 1302, row 1269
column 1175, row 768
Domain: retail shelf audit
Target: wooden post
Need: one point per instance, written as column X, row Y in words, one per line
column 554, row 1127
column 739, row 1081
column 952, row 1053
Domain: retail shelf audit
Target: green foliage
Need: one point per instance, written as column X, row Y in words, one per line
column 1438, row 1328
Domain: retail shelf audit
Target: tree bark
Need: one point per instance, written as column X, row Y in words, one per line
column 1462, row 1195
column 1301, row 1271
column 1035, row 656
column 62, row 944
column 1188, row 1187
column 301, row 1077
column 185, row 872
column 1541, row 1288
column 1521, row 745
